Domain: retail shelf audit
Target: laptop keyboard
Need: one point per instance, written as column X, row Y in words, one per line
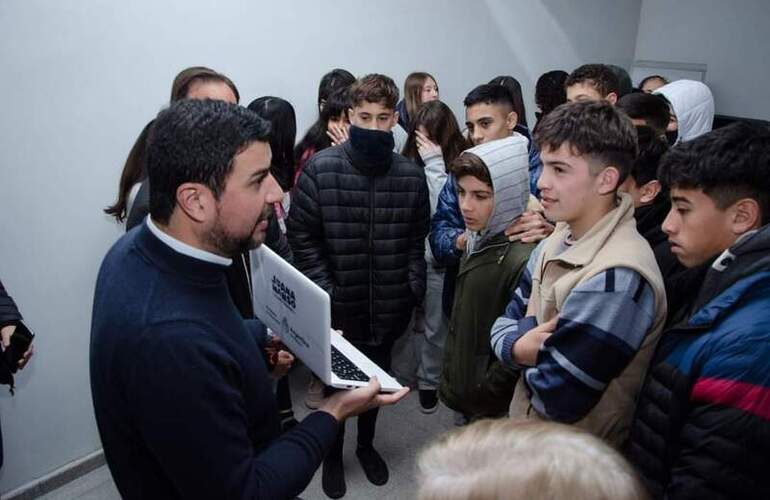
column 345, row 369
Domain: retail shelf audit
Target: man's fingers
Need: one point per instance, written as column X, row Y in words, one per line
column 393, row 398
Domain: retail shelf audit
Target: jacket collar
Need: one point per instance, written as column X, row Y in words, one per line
column 583, row 251
column 740, row 270
column 170, row 260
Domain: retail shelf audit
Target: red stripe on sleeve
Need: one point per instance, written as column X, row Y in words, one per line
column 747, row 397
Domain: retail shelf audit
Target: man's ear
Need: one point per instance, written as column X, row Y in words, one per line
column 608, row 180
column 511, row 120
column 650, row 191
column 196, row 201
column 350, row 114
column 611, row 98
column 746, row 215
column 395, row 118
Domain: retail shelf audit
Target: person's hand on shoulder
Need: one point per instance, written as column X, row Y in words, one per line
column 531, row 227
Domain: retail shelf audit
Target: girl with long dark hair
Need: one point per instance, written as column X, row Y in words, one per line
column 434, row 141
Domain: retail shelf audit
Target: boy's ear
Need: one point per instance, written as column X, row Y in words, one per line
column 746, row 215
column 350, row 114
column 650, row 191
column 395, row 118
column 511, row 120
column 611, row 98
column 609, row 180
column 196, row 201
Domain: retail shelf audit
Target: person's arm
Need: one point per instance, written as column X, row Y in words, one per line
column 418, row 233
column 435, row 169
column 186, row 394
column 513, row 324
column 535, row 169
column 599, row 330
column 304, row 227
column 9, row 313
column 435, row 174
column 447, row 226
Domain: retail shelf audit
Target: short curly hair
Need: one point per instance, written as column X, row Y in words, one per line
column 595, row 129
column 600, row 76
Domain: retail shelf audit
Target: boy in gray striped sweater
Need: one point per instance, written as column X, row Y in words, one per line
column 588, row 311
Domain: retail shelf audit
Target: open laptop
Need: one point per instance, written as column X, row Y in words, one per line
column 299, row 312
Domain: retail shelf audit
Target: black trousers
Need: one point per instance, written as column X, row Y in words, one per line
column 367, row 421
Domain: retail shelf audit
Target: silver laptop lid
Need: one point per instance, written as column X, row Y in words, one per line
column 294, row 307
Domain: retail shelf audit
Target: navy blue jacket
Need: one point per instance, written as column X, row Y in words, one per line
column 183, row 402
column 702, row 424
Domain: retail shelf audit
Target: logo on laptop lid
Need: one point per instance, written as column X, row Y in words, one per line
column 284, row 293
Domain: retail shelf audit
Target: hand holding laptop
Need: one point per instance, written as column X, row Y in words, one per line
column 344, row 404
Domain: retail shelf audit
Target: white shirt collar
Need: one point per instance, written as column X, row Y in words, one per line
column 185, row 249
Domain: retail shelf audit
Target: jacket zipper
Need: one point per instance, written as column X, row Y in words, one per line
column 371, row 258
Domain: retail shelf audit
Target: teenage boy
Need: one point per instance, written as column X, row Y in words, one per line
column 592, row 82
column 588, row 311
column 702, row 426
column 651, row 205
column 493, row 187
column 357, row 226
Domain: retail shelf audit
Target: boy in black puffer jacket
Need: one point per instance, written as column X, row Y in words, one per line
column 357, row 226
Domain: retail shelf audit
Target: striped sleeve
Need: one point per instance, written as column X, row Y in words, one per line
column 600, row 328
column 509, row 327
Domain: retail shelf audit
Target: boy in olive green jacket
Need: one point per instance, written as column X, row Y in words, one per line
column 493, row 188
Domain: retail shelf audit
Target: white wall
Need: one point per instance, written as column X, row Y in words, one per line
column 81, row 78
column 731, row 38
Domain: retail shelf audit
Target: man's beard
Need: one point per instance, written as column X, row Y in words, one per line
column 233, row 245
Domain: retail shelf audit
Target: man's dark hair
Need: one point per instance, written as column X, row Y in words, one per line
column 652, row 147
column 651, row 108
column 594, row 129
column 196, row 141
column 489, row 94
column 332, row 81
column 375, row 88
column 727, row 164
column 470, row 164
column 600, row 76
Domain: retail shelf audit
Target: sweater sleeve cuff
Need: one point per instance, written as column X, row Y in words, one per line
column 324, row 427
column 525, row 325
